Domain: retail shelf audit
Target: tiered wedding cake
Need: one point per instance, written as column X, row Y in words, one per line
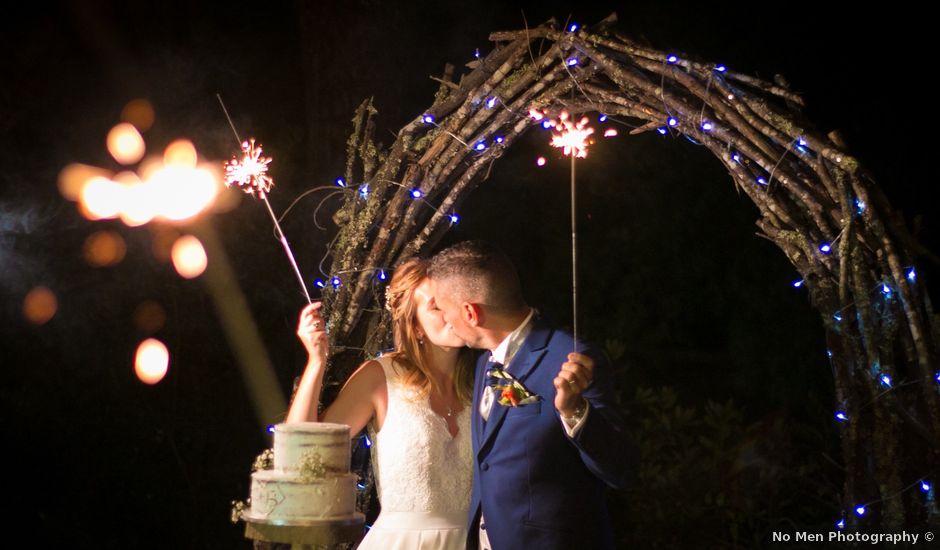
column 310, row 479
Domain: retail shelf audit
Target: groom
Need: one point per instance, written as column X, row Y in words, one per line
column 539, row 468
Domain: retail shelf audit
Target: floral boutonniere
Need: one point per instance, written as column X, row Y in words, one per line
column 509, row 391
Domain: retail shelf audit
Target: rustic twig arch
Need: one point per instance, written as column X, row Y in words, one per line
column 818, row 204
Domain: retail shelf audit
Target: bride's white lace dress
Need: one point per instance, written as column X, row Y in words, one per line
column 422, row 474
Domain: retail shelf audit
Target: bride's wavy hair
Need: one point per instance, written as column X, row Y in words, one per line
column 411, row 353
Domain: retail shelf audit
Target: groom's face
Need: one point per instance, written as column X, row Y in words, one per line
column 454, row 313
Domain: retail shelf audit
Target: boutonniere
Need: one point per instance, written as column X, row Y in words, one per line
column 509, row 391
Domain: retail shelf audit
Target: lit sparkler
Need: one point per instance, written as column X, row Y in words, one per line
column 250, row 174
column 573, row 139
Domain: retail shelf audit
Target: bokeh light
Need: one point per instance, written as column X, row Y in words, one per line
column 40, row 305
column 104, row 249
column 189, row 257
column 139, row 112
column 74, row 177
column 126, row 144
column 180, row 153
column 151, row 361
column 101, row 198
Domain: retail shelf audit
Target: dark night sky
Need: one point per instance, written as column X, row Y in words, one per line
column 672, row 268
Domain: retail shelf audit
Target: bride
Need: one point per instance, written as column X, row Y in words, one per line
column 415, row 402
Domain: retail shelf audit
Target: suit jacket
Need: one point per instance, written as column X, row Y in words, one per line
column 535, row 486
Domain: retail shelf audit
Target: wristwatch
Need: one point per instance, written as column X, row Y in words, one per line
column 578, row 411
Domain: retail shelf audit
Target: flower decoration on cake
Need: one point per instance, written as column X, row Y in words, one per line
column 509, row 391
column 238, row 508
column 264, row 461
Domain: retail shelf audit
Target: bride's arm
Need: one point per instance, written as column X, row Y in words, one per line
column 360, row 399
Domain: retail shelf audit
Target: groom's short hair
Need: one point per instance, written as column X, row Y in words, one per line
column 478, row 272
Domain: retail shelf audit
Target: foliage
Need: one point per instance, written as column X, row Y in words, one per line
column 710, row 479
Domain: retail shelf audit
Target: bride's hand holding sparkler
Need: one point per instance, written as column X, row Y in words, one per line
column 311, row 330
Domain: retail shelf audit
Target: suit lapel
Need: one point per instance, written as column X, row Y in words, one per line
column 524, row 362
column 477, row 426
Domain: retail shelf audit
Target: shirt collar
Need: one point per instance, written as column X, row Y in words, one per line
column 506, row 350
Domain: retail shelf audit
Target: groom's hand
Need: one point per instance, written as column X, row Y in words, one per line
column 573, row 378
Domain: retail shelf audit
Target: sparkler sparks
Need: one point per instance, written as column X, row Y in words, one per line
column 573, row 139
column 251, row 172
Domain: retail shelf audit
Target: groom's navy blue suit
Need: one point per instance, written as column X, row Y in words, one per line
column 535, row 486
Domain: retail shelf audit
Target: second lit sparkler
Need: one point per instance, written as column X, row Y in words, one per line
column 572, row 138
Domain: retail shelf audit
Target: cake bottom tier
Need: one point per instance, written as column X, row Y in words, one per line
column 278, row 495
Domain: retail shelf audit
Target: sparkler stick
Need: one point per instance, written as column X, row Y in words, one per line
column 250, row 173
column 574, row 258
column 573, row 139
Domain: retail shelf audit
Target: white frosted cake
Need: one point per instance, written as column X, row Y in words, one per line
column 310, row 479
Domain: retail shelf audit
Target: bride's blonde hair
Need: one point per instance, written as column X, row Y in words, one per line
column 410, row 356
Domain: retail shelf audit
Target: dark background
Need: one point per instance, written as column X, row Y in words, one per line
column 674, row 280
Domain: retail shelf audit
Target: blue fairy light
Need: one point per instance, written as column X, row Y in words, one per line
column 454, row 218
column 925, row 486
column 416, row 193
column 428, row 119
column 602, row 118
column 382, row 275
column 761, row 180
column 860, row 205
column 572, row 61
column 480, row 146
column 341, row 182
column 911, row 275
column 573, row 27
column 825, row 248
column 829, row 353
column 886, row 380
column 491, row 102
column 364, row 190
column 840, row 525
column 672, row 59
column 802, row 142
column 860, row 510
column 707, row 126
column 335, row 281
column 662, row 130
column 499, row 139
column 361, row 486
column 271, row 429
column 837, row 316
column 476, row 53
column 937, row 377
column 798, row 284
column 736, row 157
column 367, row 441
column 547, row 124
column 672, row 121
column 320, row 283
column 721, row 68
column 885, row 289
column 841, row 416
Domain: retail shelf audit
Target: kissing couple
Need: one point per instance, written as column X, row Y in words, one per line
column 500, row 450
